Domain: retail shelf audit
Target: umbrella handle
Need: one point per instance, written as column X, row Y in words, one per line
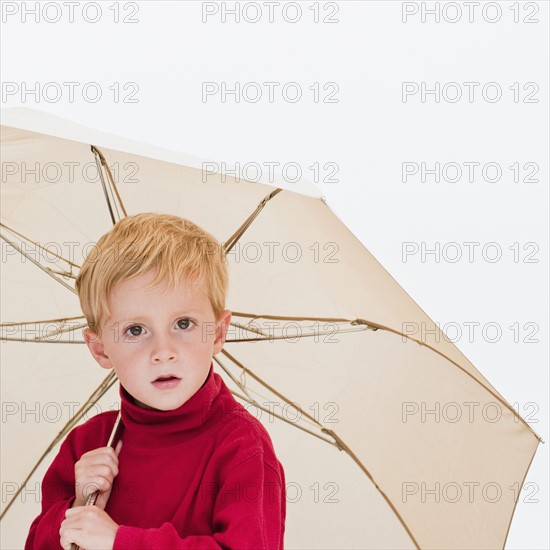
column 92, row 497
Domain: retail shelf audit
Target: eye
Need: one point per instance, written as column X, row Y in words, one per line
column 184, row 323
column 132, row 328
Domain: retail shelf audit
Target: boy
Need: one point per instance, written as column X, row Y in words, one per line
column 192, row 469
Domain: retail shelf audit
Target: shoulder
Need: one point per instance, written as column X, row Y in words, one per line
column 242, row 435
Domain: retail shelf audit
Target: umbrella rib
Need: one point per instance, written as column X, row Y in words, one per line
column 41, row 339
column 272, row 413
column 247, row 328
column 38, row 245
column 502, row 400
column 305, row 318
column 63, row 273
column 36, row 341
column 100, row 172
column 92, row 400
column 375, row 326
column 237, row 383
column 46, row 270
column 230, row 243
column 368, row 474
column 101, row 162
column 270, row 388
column 114, row 187
column 286, row 337
column 61, row 331
column 60, row 320
column 252, row 401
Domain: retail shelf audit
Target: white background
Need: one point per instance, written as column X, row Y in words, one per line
column 169, row 52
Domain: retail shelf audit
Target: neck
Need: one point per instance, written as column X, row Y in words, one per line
column 149, row 428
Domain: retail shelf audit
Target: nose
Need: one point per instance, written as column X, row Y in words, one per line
column 164, row 350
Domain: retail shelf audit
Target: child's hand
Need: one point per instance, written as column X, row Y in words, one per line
column 94, row 471
column 89, row 527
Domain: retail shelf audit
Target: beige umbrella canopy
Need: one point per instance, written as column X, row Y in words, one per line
column 387, row 440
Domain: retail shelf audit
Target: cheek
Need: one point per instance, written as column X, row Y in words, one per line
column 124, row 351
column 195, row 344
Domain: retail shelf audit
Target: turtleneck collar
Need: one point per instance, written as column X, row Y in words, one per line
column 151, row 429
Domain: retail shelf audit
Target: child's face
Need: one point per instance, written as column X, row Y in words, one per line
column 150, row 335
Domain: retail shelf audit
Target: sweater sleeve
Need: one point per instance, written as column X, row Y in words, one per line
column 57, row 497
column 249, row 513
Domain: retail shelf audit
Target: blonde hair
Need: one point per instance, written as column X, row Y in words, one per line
column 174, row 246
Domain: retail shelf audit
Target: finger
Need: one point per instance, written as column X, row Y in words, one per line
column 99, row 455
column 65, row 543
column 97, row 485
column 68, row 533
column 108, row 471
column 69, row 537
column 83, row 468
column 94, row 482
column 85, row 472
column 81, row 514
column 70, row 512
column 100, row 452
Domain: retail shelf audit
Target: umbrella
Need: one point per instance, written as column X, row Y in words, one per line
column 390, row 437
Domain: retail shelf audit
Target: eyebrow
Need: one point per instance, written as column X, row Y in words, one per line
column 145, row 318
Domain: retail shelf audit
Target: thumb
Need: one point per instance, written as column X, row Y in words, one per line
column 118, row 446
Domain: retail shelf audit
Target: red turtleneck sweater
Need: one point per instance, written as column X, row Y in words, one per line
column 204, row 475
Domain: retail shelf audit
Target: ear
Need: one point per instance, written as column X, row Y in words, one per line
column 97, row 349
column 223, row 325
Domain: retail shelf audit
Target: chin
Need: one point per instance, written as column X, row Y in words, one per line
column 163, row 402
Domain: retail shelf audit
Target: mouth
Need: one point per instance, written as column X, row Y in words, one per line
column 166, row 381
